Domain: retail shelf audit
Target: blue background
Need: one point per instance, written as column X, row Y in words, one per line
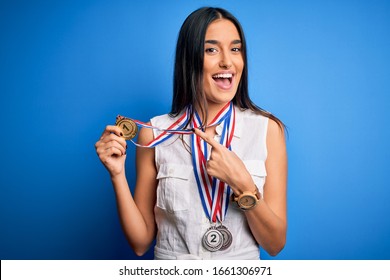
column 68, row 68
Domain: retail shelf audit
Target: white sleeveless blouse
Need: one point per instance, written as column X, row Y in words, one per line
column 180, row 218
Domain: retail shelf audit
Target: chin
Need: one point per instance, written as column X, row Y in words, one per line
column 218, row 96
column 221, row 100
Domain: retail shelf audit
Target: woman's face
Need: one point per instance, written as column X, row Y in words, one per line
column 223, row 62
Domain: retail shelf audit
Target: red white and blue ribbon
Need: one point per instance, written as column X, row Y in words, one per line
column 214, row 193
column 176, row 128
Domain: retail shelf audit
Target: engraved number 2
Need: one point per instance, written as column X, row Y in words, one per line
column 213, row 238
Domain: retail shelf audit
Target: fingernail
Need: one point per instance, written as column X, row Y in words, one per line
column 121, row 134
column 193, row 129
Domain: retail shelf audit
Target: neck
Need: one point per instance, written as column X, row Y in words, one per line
column 212, row 111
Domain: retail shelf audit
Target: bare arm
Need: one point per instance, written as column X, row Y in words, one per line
column 267, row 220
column 136, row 214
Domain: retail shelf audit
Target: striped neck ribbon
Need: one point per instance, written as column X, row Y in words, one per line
column 214, row 193
column 178, row 127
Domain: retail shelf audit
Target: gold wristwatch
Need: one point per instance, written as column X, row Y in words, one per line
column 247, row 200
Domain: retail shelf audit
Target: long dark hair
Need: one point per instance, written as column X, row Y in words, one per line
column 188, row 72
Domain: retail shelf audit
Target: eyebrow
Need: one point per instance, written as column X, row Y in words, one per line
column 215, row 42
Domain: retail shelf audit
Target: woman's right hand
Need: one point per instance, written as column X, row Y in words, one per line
column 111, row 149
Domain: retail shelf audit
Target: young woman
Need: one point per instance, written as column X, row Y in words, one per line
column 218, row 191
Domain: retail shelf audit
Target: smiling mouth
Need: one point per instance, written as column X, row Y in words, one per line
column 223, row 80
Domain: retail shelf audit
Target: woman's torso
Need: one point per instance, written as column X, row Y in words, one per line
column 180, row 218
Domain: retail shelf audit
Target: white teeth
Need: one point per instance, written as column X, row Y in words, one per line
column 223, row 76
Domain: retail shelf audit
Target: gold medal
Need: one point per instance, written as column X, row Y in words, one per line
column 128, row 127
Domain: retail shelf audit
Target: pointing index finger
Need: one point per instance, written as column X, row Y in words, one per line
column 210, row 140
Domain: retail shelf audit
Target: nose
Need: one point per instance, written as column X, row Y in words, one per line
column 226, row 61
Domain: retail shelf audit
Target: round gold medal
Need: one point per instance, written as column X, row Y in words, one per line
column 128, row 127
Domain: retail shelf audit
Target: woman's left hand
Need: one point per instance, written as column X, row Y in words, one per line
column 226, row 165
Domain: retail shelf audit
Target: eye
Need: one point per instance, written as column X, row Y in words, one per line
column 211, row 50
column 236, row 49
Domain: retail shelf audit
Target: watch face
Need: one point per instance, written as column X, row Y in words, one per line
column 247, row 201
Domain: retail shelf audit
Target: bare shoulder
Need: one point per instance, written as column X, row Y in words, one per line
column 275, row 133
column 276, row 149
column 145, row 135
column 145, row 156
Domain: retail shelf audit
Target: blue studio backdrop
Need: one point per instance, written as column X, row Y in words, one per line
column 68, row 68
